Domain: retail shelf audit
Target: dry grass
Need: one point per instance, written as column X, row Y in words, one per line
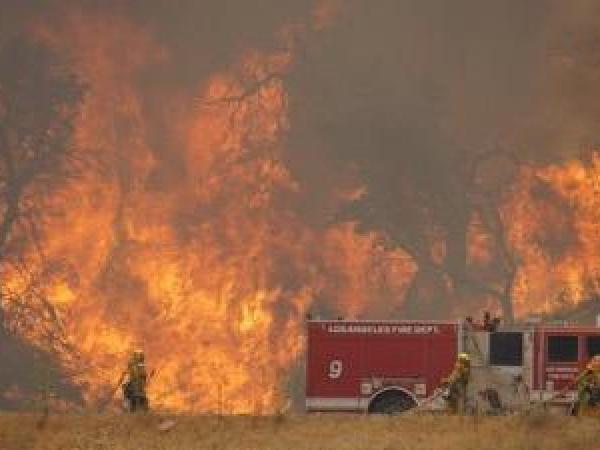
column 299, row 432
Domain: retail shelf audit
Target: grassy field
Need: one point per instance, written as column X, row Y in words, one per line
column 297, row 432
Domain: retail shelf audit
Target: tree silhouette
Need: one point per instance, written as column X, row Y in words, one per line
column 38, row 101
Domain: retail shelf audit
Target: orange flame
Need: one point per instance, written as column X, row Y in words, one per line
column 195, row 255
column 555, row 228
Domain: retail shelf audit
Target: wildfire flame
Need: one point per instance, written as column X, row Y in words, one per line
column 193, row 255
column 555, row 233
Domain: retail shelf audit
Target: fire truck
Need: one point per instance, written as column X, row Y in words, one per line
column 393, row 366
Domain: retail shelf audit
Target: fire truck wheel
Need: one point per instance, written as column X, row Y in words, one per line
column 391, row 402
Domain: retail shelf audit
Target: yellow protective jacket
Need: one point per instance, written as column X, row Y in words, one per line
column 136, row 378
column 459, row 376
column 587, row 380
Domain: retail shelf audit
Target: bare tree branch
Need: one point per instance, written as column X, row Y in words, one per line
column 246, row 93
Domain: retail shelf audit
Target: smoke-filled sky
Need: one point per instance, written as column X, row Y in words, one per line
column 471, row 68
column 391, row 78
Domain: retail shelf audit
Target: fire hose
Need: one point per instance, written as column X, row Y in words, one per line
column 436, row 394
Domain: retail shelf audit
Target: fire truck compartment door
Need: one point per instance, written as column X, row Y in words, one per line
column 334, row 368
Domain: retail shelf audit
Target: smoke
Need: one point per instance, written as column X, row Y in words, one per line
column 403, row 80
column 402, row 99
column 415, row 85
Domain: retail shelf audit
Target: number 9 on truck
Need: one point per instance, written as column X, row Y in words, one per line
column 335, row 369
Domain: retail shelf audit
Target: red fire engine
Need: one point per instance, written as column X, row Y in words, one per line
column 392, row 366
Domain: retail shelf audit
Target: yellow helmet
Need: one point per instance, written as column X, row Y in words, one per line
column 464, row 357
column 138, row 355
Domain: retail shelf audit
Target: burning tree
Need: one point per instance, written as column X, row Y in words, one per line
column 38, row 99
column 433, row 209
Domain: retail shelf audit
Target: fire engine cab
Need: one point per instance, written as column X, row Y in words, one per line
column 392, row 366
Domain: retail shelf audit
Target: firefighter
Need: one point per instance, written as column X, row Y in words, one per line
column 456, row 383
column 588, row 389
column 134, row 387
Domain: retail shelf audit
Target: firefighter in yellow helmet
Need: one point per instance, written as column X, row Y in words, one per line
column 134, row 386
column 457, row 383
column 588, row 389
